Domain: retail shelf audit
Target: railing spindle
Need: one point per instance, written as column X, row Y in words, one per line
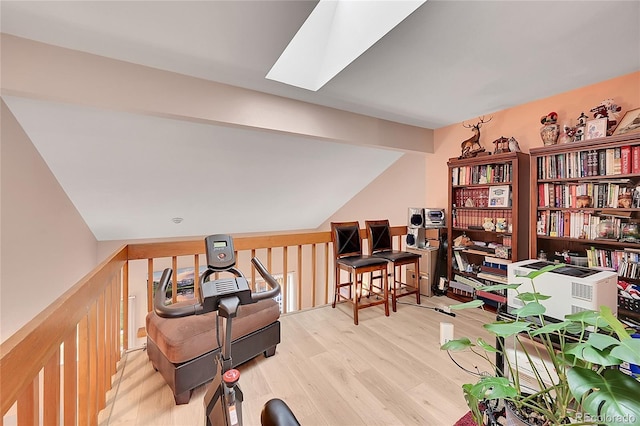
column 314, row 273
column 93, row 362
column 70, row 379
column 28, row 404
column 285, row 276
column 149, row 284
column 298, row 282
column 51, row 394
column 84, row 383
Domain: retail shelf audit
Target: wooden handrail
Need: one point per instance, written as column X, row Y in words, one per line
column 87, row 320
column 27, row 351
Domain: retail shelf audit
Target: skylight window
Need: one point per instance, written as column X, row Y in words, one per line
column 333, row 36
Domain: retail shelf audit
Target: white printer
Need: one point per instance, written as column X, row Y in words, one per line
column 572, row 288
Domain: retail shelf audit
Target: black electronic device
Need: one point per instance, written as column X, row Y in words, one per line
column 220, row 253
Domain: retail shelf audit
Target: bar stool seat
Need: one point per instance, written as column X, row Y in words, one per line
column 379, row 235
column 347, row 249
column 396, row 256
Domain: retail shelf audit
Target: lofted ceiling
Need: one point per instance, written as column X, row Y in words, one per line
column 447, row 62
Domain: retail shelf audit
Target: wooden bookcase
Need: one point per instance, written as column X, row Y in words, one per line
column 561, row 222
column 490, row 186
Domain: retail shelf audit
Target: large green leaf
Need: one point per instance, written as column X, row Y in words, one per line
column 614, row 323
column 587, row 317
column 457, row 344
column 472, row 304
column 498, row 287
column 486, row 346
column 601, row 341
column 599, row 357
column 528, row 297
column 491, row 387
column 552, row 328
column 628, row 350
column 507, row 328
column 589, row 354
column 612, row 398
column 531, row 275
column 473, row 403
column 530, row 309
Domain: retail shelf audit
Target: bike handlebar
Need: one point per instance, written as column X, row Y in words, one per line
column 268, row 278
column 183, row 310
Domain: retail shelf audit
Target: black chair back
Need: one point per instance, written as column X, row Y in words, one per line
column 379, row 235
column 346, row 239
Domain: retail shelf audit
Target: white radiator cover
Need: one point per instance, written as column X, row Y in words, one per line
column 569, row 293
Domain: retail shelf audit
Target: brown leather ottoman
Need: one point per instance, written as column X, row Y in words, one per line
column 183, row 349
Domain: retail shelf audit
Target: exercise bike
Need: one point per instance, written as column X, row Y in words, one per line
column 223, row 399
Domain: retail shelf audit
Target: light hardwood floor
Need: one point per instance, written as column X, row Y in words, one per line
column 385, row 371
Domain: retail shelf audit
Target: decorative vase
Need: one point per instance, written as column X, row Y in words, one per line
column 550, row 133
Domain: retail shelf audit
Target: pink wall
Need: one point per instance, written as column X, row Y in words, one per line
column 46, row 246
column 389, row 195
column 523, row 123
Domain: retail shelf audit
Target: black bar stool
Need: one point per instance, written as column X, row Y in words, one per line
column 347, row 249
column 379, row 235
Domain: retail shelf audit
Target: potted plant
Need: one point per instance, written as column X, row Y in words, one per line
column 580, row 383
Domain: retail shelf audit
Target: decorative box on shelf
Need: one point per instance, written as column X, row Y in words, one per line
column 503, row 252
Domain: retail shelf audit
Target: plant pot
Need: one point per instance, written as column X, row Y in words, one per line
column 514, row 418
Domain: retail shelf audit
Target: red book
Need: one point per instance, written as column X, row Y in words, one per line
column 635, row 159
column 625, row 158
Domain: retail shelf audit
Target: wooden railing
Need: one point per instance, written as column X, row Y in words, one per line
column 71, row 349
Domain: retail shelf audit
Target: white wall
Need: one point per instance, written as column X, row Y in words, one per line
column 46, row 247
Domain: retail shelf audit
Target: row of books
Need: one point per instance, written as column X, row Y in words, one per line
column 493, row 271
column 494, row 196
column 471, row 197
column 603, row 195
column 476, row 218
column 602, row 162
column 605, row 259
column 629, row 270
column 625, row 261
column 574, row 225
column 493, row 268
column 485, row 173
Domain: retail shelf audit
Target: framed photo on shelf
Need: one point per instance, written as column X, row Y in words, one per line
column 630, row 123
column 596, row 129
column 499, row 196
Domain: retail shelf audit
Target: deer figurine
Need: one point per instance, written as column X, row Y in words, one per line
column 468, row 145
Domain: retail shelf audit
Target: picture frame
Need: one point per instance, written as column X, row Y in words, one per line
column 499, row 196
column 596, row 129
column 630, row 123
